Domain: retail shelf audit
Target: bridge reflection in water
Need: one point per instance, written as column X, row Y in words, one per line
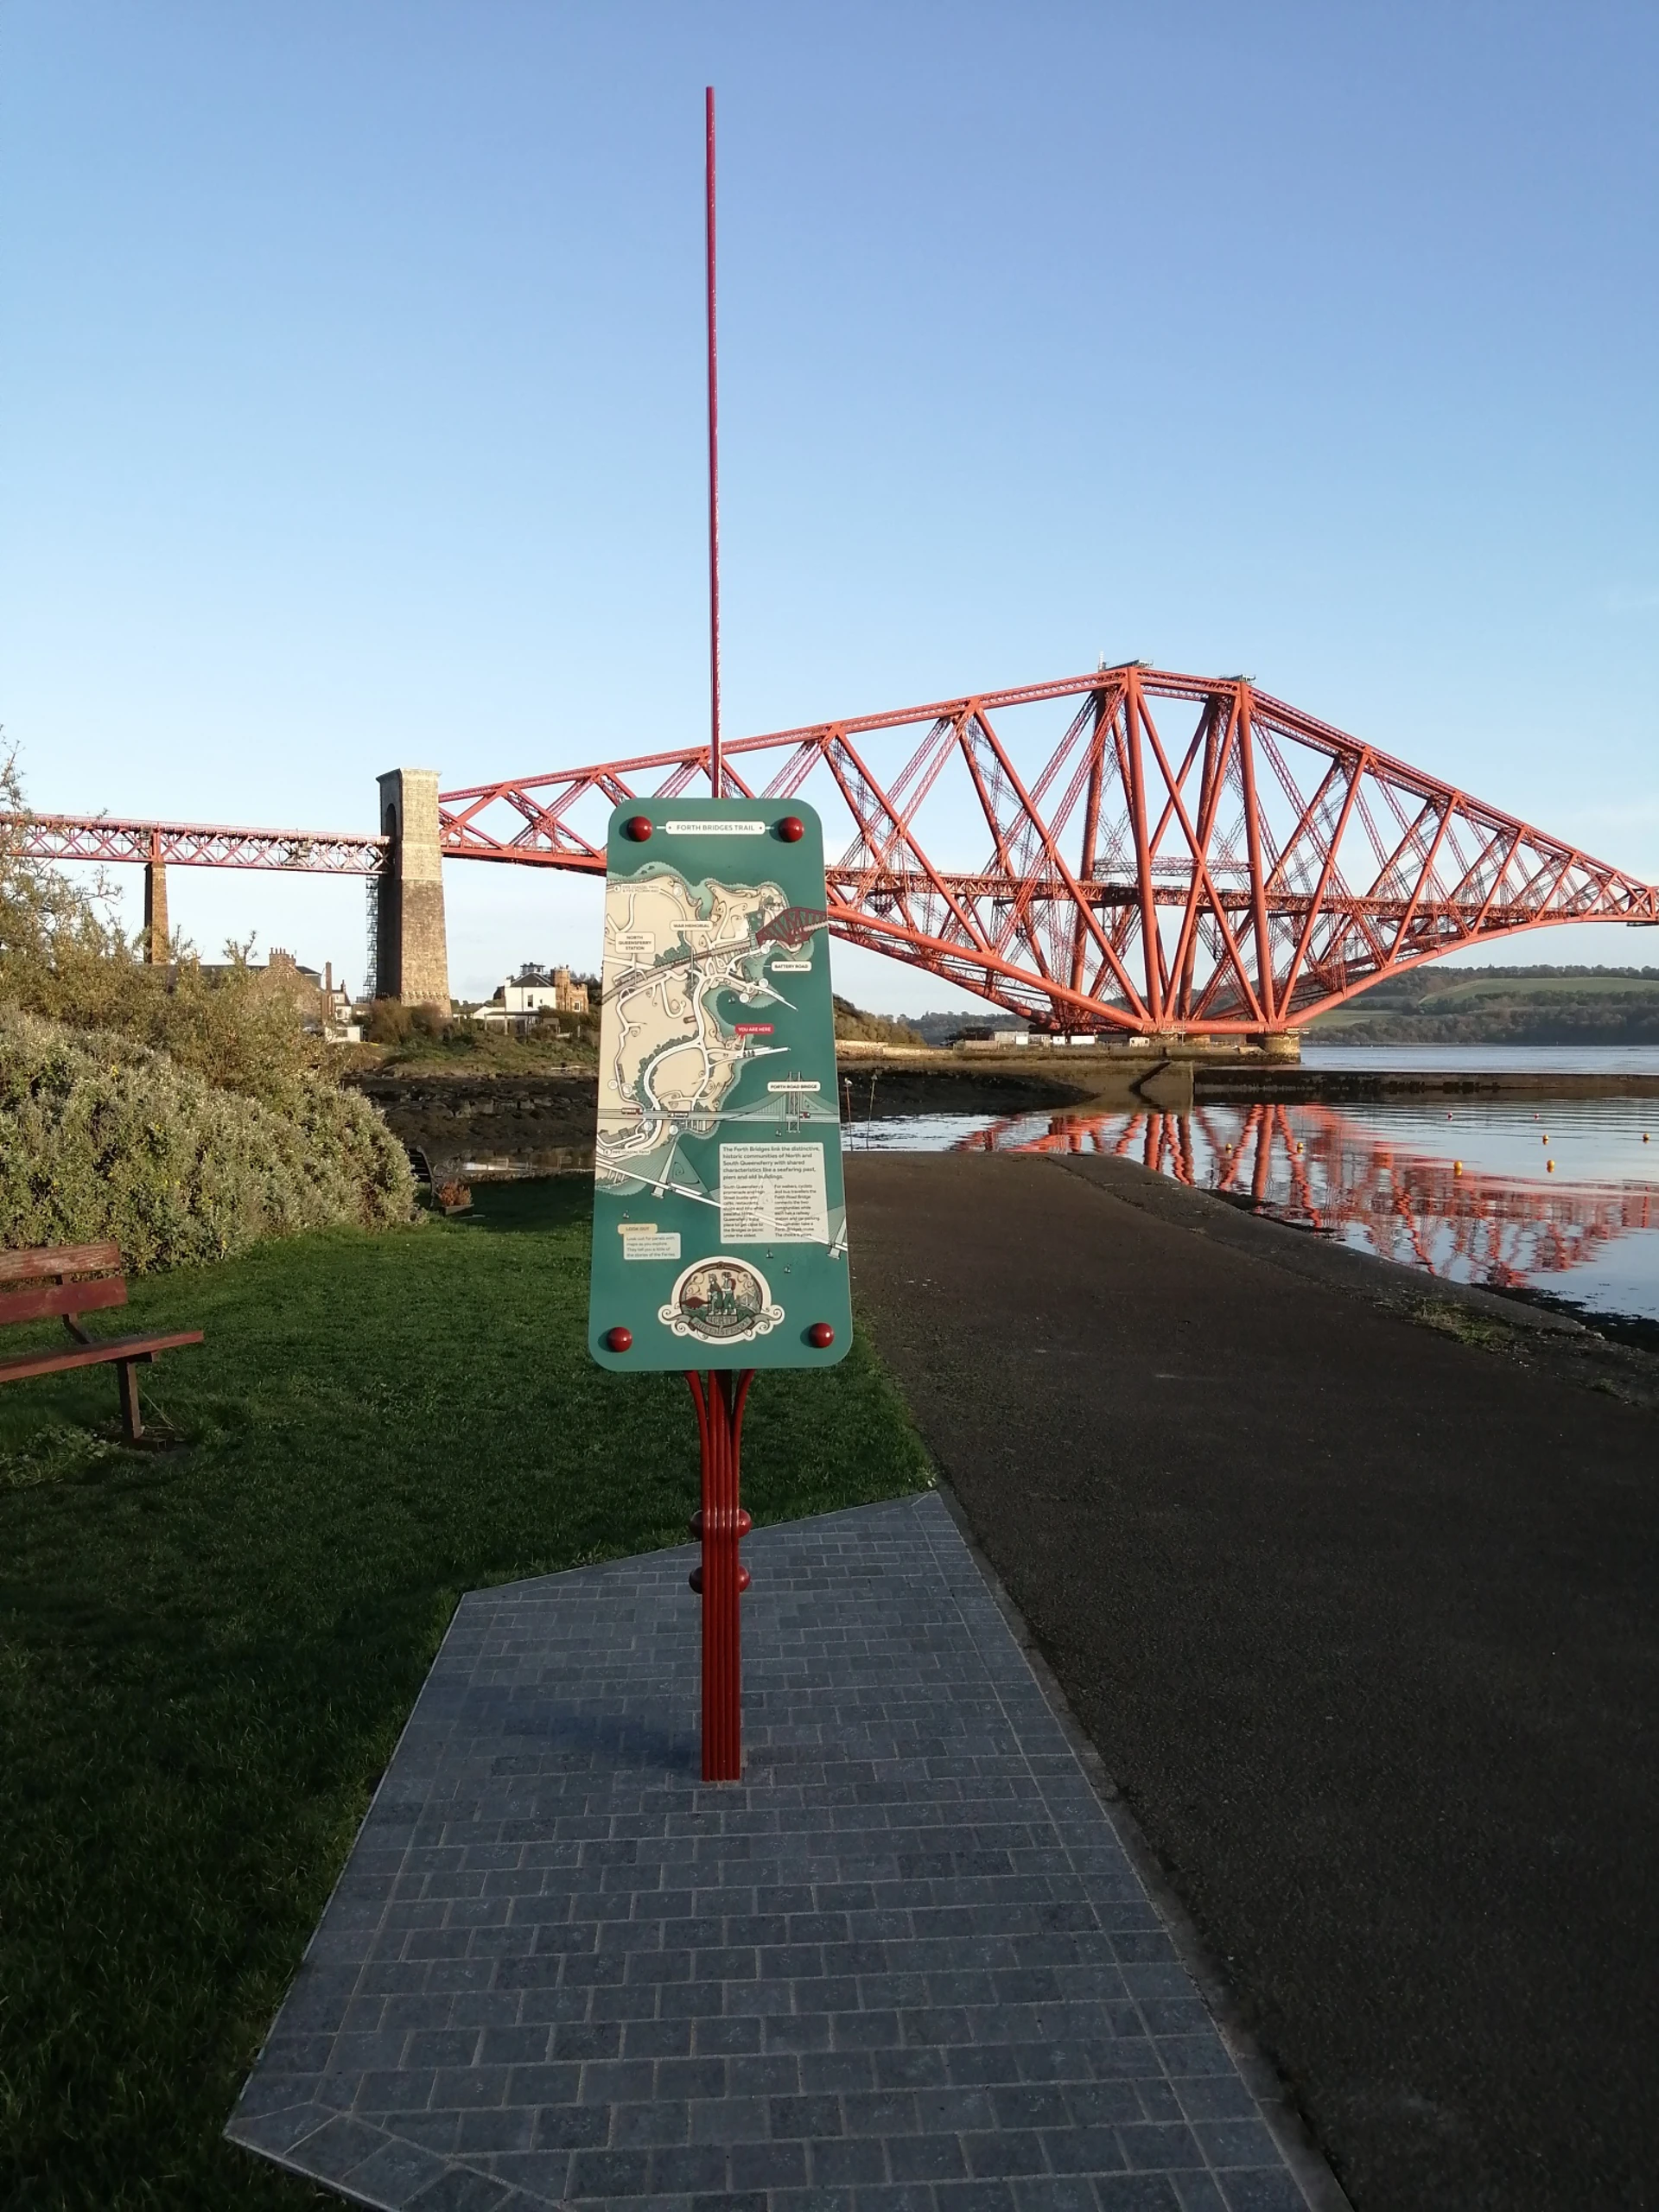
column 1314, row 1165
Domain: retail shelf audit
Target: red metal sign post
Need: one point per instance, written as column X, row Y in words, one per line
column 720, row 1526
column 721, row 1522
column 720, row 1216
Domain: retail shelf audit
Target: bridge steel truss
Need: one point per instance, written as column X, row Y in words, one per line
column 1191, row 856
column 198, row 844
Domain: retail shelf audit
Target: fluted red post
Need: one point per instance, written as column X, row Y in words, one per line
column 721, row 1578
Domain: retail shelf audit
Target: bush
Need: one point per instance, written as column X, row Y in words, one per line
column 242, row 1027
column 391, row 1022
column 109, row 1139
column 853, row 1025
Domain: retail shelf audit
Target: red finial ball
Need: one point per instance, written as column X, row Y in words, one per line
column 821, row 1336
column 637, row 826
column 618, row 1339
column 791, row 828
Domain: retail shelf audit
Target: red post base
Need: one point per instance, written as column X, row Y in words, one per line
column 721, row 1524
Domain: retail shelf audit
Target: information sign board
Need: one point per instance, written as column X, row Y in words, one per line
column 720, row 1223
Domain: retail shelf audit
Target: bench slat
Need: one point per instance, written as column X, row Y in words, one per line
column 57, row 1259
column 62, row 1297
column 20, row 1365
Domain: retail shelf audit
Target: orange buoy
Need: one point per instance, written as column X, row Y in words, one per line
column 1457, row 1168
column 1549, row 1167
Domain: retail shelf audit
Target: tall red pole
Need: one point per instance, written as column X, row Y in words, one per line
column 720, row 1522
column 716, row 777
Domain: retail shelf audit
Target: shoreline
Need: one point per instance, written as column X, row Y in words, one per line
column 483, row 1130
column 1274, row 1085
column 543, row 1113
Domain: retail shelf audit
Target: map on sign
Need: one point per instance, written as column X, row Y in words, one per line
column 720, row 1226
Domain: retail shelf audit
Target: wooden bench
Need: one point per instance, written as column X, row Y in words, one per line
column 72, row 1280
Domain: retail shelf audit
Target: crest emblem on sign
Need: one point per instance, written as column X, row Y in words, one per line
column 722, row 1301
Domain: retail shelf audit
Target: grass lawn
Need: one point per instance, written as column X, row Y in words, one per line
column 476, row 1052
column 206, row 1652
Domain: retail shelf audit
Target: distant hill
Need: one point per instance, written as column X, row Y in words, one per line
column 1502, row 1006
column 1433, row 1005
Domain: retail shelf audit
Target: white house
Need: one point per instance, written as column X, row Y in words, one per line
column 516, row 1004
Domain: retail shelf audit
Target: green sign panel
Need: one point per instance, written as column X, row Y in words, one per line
column 720, row 1223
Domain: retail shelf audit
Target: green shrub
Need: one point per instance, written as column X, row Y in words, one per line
column 853, row 1025
column 104, row 1138
column 240, row 1027
column 391, row 1022
column 63, row 956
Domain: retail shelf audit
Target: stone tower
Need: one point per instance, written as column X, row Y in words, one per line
column 156, row 928
column 412, row 956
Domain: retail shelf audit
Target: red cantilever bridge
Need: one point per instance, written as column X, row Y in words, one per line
column 1129, row 851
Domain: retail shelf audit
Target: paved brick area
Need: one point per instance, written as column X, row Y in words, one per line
column 905, row 1967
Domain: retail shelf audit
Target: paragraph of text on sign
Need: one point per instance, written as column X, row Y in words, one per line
column 772, row 1194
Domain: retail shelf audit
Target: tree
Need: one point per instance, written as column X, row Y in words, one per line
column 63, row 956
column 43, row 916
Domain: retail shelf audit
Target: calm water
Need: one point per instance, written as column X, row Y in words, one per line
column 1529, row 1059
column 1562, row 1198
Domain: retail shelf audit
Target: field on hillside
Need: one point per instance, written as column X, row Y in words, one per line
column 1523, row 1006
column 207, row 1650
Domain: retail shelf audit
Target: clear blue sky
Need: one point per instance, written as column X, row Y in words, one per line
column 350, row 396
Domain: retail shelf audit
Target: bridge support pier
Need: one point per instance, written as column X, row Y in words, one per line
column 155, row 925
column 412, row 956
column 1280, row 1044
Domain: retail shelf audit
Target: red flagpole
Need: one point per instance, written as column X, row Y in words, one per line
column 721, row 1523
column 716, row 775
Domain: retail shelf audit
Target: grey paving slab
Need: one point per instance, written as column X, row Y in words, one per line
column 905, row 1966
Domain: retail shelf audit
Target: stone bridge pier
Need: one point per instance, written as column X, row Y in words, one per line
column 156, row 934
column 411, row 952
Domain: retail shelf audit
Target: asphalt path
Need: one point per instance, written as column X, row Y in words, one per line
column 1361, row 1618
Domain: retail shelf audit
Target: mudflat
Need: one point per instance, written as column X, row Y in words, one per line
column 1362, row 1620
